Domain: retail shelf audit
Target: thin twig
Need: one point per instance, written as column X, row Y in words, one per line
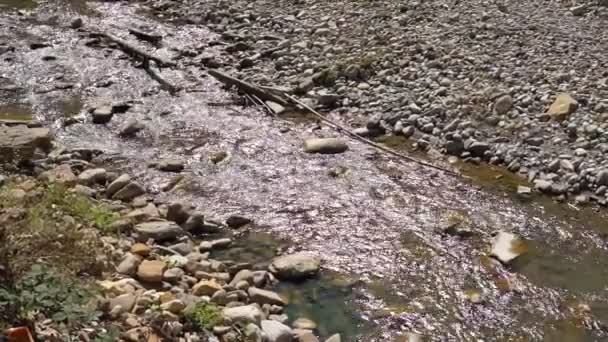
column 367, row 141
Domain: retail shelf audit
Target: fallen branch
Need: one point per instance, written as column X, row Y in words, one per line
column 152, row 38
column 247, row 87
column 135, row 51
column 367, row 141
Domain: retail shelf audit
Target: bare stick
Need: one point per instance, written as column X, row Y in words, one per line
column 367, row 141
column 247, row 87
column 163, row 83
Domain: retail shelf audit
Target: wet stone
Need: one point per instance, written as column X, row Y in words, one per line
column 128, row 192
column 325, row 145
column 295, row 266
column 171, row 165
column 102, row 115
column 507, row 246
column 236, row 221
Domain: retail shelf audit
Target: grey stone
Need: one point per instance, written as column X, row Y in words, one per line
column 19, row 143
column 277, row 331
column 178, row 212
column 214, row 244
column 602, row 177
column 253, row 333
column 125, row 301
column 236, row 221
column 507, row 246
column 131, row 127
column 129, row 264
column 158, row 231
column 92, row 176
column 173, row 275
column 244, row 314
column 171, row 165
column 117, row 184
column 265, row 297
column 245, row 275
column 295, row 266
column 102, row 115
column 503, row 104
column 325, row 145
column 478, row 148
column 129, row 191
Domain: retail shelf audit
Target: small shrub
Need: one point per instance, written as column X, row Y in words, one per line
column 204, row 316
column 44, row 290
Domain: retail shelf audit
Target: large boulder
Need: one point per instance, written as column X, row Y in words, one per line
column 20, row 142
column 295, row 267
column 158, row 231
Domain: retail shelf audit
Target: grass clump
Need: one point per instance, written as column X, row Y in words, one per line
column 204, row 316
column 53, row 226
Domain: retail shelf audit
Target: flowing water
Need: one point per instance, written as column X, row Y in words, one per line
column 374, row 220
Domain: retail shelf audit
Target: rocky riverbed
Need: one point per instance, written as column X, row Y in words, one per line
column 517, row 84
column 427, row 253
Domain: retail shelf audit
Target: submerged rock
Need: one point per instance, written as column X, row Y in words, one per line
column 295, row 266
column 325, row 145
column 507, row 247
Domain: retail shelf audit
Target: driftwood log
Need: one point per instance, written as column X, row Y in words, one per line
column 137, row 52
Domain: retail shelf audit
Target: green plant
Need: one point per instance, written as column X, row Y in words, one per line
column 204, row 315
column 44, row 290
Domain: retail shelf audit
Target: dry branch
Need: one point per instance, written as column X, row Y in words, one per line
column 247, row 87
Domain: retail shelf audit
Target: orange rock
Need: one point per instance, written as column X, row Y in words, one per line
column 141, row 249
